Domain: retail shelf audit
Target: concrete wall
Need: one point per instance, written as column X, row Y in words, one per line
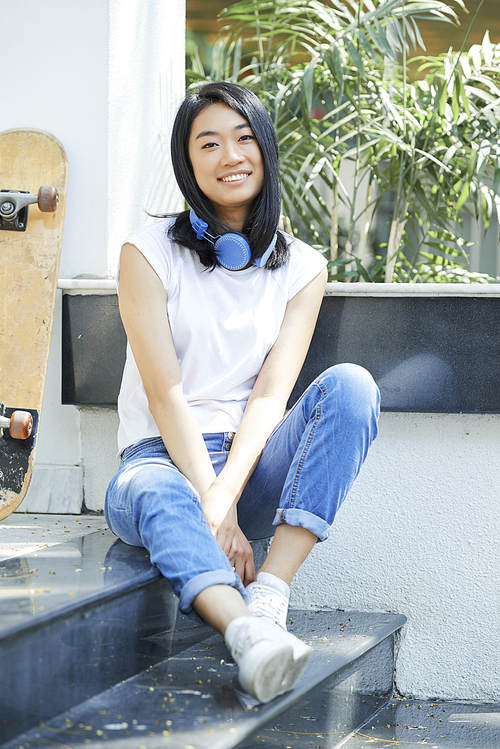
column 418, row 535
column 105, row 77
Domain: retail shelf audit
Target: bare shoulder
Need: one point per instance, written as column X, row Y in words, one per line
column 137, row 276
column 312, row 293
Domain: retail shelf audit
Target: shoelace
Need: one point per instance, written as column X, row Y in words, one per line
column 265, row 602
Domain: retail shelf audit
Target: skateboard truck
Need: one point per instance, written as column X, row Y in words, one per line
column 14, row 206
column 20, row 425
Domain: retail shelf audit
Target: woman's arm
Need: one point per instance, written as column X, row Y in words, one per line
column 267, row 402
column 143, row 308
column 265, row 408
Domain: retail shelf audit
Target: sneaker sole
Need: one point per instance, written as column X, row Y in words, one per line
column 301, row 656
column 264, row 669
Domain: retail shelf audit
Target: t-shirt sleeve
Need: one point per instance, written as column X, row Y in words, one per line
column 305, row 264
column 154, row 243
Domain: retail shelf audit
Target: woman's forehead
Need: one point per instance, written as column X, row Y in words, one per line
column 218, row 116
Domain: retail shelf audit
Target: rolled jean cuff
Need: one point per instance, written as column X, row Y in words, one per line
column 205, row 580
column 303, row 518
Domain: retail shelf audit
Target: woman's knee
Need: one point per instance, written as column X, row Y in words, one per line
column 353, row 389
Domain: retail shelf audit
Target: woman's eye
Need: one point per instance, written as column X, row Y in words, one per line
column 209, row 145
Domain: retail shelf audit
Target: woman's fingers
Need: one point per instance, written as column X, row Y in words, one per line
column 226, row 542
column 249, row 572
column 239, row 567
column 241, row 557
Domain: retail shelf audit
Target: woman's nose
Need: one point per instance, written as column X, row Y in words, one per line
column 232, row 155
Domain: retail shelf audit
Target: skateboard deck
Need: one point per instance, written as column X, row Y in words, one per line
column 30, row 248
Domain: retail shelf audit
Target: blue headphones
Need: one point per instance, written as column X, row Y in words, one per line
column 232, row 249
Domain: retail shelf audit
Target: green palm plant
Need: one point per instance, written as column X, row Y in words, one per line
column 336, row 76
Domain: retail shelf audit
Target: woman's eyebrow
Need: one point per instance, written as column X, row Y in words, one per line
column 206, row 133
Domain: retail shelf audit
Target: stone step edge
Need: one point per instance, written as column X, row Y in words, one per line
column 270, row 712
column 97, row 597
column 44, row 619
column 338, row 663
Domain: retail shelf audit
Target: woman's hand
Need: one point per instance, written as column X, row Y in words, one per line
column 223, row 523
column 240, row 555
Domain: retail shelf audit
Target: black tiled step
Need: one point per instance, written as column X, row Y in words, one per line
column 440, row 725
column 192, row 699
column 76, row 618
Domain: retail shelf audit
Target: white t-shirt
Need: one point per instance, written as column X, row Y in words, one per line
column 223, row 324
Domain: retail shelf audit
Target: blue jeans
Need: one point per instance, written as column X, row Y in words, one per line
column 306, row 469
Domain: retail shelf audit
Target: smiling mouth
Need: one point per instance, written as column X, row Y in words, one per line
column 235, row 177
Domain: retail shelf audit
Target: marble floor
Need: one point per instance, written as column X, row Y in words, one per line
column 22, row 533
column 439, row 725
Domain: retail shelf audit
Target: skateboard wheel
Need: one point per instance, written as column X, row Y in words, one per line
column 21, row 425
column 48, row 199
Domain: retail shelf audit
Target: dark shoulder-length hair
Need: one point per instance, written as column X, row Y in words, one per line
column 263, row 219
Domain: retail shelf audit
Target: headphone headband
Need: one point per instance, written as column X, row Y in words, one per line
column 232, row 249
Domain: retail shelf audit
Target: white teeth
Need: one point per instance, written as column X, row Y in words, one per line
column 234, row 177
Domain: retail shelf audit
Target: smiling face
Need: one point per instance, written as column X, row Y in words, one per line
column 226, row 161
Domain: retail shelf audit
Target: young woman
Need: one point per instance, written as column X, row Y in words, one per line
column 219, row 309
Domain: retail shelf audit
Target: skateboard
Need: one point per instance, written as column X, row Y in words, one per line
column 33, row 184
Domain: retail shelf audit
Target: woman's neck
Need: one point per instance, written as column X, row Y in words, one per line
column 236, row 219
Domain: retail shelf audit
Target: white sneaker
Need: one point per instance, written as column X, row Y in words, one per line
column 270, row 661
column 268, row 597
column 302, row 653
column 262, row 656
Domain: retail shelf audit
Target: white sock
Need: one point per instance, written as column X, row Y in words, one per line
column 279, row 585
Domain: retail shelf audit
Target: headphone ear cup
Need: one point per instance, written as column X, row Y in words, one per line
column 233, row 251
